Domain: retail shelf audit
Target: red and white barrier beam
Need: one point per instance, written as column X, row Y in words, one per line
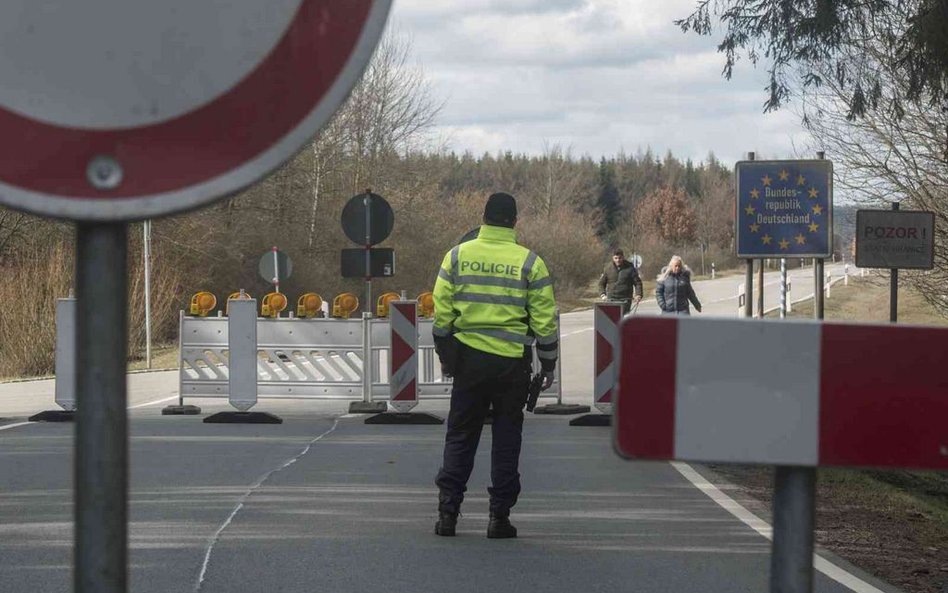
column 783, row 393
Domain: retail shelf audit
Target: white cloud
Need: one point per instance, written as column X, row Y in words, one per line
column 597, row 76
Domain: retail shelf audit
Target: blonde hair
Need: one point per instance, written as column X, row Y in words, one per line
column 667, row 269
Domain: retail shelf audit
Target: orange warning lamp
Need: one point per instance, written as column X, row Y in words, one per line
column 235, row 296
column 344, row 305
column 309, row 305
column 203, row 303
column 426, row 304
column 272, row 304
column 381, row 308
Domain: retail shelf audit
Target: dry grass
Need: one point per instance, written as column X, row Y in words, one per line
column 28, row 295
column 162, row 357
column 867, row 299
column 28, row 316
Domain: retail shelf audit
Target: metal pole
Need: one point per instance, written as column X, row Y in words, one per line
column 818, row 287
column 818, row 274
column 749, row 289
column 366, row 357
column 276, row 270
column 791, row 560
column 894, row 286
column 101, row 452
column 367, row 200
column 760, row 290
column 146, row 229
column 783, row 288
column 749, row 277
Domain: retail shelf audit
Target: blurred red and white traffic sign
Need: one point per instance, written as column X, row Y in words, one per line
column 129, row 109
column 783, row 393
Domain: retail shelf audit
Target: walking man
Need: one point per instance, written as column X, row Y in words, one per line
column 493, row 298
column 622, row 280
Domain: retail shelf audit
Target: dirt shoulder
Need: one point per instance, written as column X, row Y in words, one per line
column 892, row 524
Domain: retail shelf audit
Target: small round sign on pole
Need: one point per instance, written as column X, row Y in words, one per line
column 274, row 267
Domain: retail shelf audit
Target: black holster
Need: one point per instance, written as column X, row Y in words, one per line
column 449, row 350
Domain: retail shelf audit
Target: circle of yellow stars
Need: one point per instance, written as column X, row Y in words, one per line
column 812, row 193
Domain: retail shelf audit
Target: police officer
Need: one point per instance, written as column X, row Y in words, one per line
column 493, row 299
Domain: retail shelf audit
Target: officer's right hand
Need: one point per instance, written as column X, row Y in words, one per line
column 602, row 296
column 548, row 377
column 446, row 372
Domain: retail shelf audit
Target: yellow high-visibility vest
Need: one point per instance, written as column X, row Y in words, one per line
column 496, row 296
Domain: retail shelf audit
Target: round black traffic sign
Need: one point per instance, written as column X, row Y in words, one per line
column 380, row 214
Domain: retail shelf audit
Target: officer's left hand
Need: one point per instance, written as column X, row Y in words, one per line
column 446, row 372
column 548, row 377
column 638, row 298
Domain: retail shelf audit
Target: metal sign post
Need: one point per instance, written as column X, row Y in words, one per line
column 101, row 458
column 111, row 141
column 367, row 200
column 146, row 231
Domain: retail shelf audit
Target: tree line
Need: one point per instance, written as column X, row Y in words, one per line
column 573, row 210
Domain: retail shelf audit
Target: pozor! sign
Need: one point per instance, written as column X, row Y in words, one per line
column 895, row 239
column 784, row 208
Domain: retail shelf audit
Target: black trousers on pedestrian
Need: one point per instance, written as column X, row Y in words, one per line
column 483, row 381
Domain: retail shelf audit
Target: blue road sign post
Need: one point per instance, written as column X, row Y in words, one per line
column 784, row 209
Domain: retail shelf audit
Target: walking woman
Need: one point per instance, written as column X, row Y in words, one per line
column 673, row 289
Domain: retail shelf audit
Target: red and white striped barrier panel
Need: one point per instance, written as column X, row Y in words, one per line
column 606, row 318
column 783, row 393
column 403, row 316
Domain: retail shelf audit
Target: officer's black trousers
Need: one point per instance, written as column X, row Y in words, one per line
column 483, row 381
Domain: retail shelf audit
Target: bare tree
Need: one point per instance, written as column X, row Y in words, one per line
column 889, row 155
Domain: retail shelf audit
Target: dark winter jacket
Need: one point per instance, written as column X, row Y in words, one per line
column 623, row 282
column 674, row 292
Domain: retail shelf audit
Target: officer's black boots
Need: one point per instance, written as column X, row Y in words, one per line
column 499, row 527
column 447, row 523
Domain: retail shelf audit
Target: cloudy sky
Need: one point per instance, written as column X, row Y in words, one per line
column 594, row 76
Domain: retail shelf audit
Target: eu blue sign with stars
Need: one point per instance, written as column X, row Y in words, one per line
column 784, row 208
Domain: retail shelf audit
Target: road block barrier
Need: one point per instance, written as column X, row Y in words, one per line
column 315, row 358
column 403, row 387
column 606, row 319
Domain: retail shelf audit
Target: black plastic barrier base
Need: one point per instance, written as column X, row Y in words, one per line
column 243, row 418
column 592, row 420
column 367, row 407
column 183, row 410
column 53, row 416
column 561, row 409
column 404, row 418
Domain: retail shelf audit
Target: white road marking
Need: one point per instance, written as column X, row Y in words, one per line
column 152, row 403
column 157, row 401
column 243, row 499
column 834, row 572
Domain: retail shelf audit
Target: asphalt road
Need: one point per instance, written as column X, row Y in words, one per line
column 324, row 502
